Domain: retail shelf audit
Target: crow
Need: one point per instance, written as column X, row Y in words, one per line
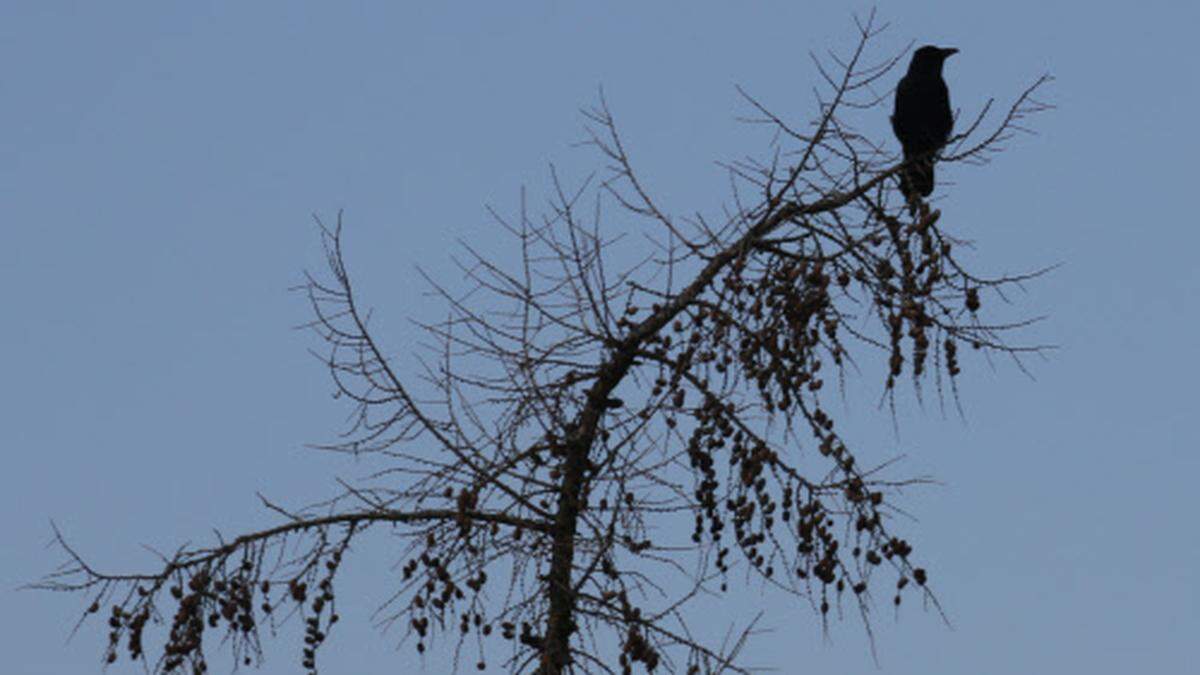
column 922, row 119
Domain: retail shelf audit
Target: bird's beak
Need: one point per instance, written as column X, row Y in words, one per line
column 949, row 51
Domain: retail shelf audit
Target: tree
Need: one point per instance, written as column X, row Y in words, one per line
column 588, row 449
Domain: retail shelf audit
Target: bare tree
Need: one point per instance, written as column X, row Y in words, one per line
column 585, row 451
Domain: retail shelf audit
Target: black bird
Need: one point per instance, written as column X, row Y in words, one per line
column 922, row 119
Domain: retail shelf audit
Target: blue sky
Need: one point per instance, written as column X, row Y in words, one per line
column 159, row 164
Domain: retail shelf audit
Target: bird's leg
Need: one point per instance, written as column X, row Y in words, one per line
column 916, row 204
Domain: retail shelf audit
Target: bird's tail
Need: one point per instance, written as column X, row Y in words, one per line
column 916, row 179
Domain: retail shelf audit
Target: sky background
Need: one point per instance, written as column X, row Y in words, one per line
column 160, row 162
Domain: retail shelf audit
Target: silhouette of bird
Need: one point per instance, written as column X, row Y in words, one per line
column 922, row 119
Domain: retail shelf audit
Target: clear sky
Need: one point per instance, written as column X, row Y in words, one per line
column 159, row 163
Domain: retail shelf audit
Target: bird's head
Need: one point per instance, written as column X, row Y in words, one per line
column 929, row 59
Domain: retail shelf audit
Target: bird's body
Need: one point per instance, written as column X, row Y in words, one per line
column 922, row 119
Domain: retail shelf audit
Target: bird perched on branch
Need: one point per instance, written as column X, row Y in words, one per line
column 922, row 119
